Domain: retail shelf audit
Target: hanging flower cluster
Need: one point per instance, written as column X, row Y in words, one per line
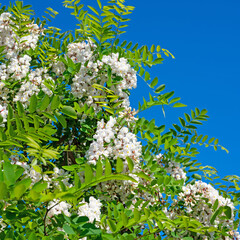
column 90, row 210
column 173, row 168
column 95, row 71
column 197, row 202
column 36, row 176
column 19, row 81
column 114, row 141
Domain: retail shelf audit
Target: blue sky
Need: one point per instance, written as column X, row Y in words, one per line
column 204, row 37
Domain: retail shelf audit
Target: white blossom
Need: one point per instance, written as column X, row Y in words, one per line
column 92, row 209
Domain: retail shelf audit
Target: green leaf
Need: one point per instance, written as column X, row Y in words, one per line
column 44, row 103
column 215, row 214
column 48, row 115
column 108, row 168
column 183, row 123
column 158, row 61
column 152, row 48
column 144, row 56
column 33, row 104
column 9, row 172
column 10, row 112
column 179, row 105
column 211, row 140
column 55, row 102
column 154, row 82
column 124, row 218
column 111, row 224
column 39, row 186
column 77, row 182
column 228, row 212
column 174, row 100
column 143, row 175
column 215, row 205
column 3, row 191
column 160, row 88
column 197, row 176
column 147, row 76
column 99, row 4
column 19, row 190
column 20, row 108
column 88, row 173
column 204, row 138
column 129, row 45
column 94, row 10
column 119, row 166
column 134, row 48
column 136, row 214
column 123, row 43
column 141, row 72
column 61, row 119
column 99, row 169
column 68, row 229
column 33, row 236
column 130, row 164
column 10, row 143
column 69, row 111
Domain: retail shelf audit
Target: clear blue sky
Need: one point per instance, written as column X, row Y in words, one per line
column 204, row 36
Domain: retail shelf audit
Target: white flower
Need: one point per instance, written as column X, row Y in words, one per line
column 92, row 209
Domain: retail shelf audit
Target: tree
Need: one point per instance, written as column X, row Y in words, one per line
column 77, row 162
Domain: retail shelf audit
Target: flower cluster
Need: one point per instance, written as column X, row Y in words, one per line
column 128, row 115
column 121, row 68
column 194, row 197
column 113, row 141
column 118, row 190
column 12, row 42
column 55, row 208
column 171, row 167
column 94, row 71
column 198, row 200
column 19, row 67
column 18, row 79
column 81, row 52
column 36, row 176
column 33, row 85
column 92, row 209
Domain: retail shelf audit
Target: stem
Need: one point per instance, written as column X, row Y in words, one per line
column 145, row 234
column 45, row 218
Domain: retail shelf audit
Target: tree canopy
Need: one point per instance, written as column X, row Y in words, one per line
column 77, row 162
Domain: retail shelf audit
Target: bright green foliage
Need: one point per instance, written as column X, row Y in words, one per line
column 56, row 131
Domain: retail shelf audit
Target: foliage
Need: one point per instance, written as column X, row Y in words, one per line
column 76, row 161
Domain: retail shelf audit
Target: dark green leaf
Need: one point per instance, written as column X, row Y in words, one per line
column 160, row 88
